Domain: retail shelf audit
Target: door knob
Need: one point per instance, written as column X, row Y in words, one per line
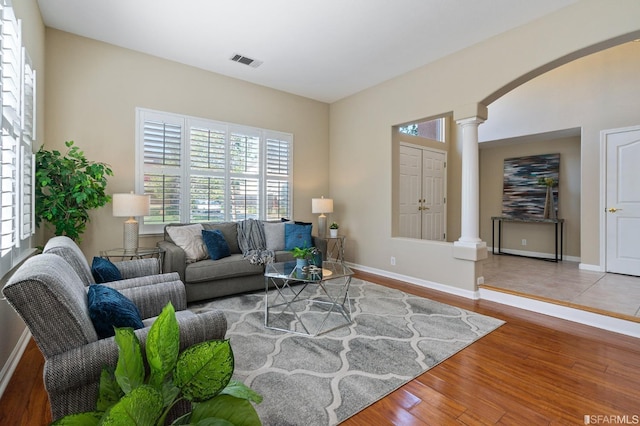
column 613, row 210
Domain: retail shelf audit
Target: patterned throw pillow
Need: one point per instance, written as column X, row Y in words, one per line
column 216, row 244
column 189, row 239
column 109, row 308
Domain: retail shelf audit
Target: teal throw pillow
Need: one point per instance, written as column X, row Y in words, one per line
column 109, row 308
column 216, row 244
column 297, row 236
column 104, row 271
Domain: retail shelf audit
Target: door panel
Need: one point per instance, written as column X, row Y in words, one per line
column 433, row 219
column 410, row 191
column 623, row 201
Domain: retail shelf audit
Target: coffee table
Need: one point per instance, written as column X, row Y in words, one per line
column 308, row 301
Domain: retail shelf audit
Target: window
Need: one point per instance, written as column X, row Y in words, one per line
column 431, row 129
column 199, row 170
column 18, row 124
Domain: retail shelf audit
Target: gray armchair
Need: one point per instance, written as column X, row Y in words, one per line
column 51, row 298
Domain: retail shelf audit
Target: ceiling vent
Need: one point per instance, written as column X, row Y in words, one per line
column 247, row 61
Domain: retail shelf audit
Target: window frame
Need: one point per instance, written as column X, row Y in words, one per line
column 187, row 171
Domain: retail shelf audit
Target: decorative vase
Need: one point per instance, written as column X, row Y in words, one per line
column 333, row 233
column 549, row 205
column 301, row 263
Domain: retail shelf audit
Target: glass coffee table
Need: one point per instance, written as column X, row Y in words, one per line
column 309, row 301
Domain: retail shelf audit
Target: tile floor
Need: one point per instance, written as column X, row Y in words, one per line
column 564, row 283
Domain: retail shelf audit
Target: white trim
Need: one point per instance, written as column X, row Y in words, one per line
column 616, row 325
column 587, row 267
column 12, row 362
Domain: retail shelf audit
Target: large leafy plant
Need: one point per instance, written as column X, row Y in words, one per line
column 67, row 187
column 201, row 375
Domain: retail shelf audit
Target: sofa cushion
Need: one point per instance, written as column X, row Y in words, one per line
column 104, row 271
column 230, row 232
column 189, row 239
column 108, row 308
column 297, row 236
column 216, row 244
column 227, row 267
column 274, row 235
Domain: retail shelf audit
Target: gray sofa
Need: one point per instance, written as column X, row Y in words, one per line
column 207, row 279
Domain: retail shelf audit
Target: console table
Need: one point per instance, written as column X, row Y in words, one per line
column 501, row 219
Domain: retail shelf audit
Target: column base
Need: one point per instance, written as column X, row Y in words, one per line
column 470, row 250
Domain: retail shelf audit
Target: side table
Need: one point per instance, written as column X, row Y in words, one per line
column 335, row 248
column 119, row 254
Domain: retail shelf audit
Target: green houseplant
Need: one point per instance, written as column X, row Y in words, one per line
column 67, row 187
column 201, row 375
column 303, row 255
column 333, row 229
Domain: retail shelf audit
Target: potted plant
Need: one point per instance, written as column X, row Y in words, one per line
column 333, row 229
column 201, row 375
column 303, row 255
column 67, row 187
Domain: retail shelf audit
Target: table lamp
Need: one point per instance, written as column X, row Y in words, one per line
column 131, row 205
column 322, row 206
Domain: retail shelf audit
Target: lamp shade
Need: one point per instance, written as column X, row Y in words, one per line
column 321, row 205
column 129, row 205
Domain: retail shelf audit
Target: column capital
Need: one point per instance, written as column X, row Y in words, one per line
column 470, row 120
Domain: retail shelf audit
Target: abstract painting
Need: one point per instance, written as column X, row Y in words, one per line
column 523, row 197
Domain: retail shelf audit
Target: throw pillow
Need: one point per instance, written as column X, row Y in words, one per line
column 297, row 236
column 274, row 235
column 230, row 232
column 216, row 244
column 104, row 271
column 109, row 308
column 189, row 239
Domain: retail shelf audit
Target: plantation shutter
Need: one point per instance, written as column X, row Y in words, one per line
column 27, row 203
column 162, row 158
column 278, row 173
column 207, row 143
column 244, row 168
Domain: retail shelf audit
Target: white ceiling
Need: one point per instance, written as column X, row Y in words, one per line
column 321, row 49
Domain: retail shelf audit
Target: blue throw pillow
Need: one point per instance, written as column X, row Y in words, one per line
column 104, row 271
column 217, row 246
column 297, row 236
column 109, row 308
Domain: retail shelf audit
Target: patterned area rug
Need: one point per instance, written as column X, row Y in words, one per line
column 323, row 380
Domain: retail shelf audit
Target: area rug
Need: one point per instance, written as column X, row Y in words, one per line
column 393, row 338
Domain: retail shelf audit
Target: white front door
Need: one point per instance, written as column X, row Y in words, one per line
column 422, row 189
column 622, row 200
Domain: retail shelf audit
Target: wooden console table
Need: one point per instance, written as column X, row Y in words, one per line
column 501, row 219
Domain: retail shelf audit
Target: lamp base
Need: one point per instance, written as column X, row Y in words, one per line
column 322, row 226
column 131, row 236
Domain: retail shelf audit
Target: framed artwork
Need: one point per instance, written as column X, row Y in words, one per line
column 525, row 185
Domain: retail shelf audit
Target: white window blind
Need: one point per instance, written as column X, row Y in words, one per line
column 232, row 173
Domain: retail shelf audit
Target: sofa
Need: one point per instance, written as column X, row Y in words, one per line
column 207, row 278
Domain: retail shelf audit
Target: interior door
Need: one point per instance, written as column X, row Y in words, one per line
column 622, row 208
column 410, row 191
column 433, row 217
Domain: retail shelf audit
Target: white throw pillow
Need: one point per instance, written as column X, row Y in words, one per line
column 274, row 235
column 189, row 239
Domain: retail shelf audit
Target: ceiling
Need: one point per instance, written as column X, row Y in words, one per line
column 320, row 49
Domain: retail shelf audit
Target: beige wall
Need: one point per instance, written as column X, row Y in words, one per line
column 539, row 236
column 93, row 89
column 33, row 34
column 360, row 134
column 600, row 91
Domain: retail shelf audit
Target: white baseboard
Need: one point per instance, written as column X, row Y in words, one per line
column 474, row 295
column 616, row 325
column 594, row 268
column 11, row 364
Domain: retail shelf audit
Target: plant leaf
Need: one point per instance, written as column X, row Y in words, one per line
column 90, row 418
column 213, row 422
column 142, row 407
column 130, row 367
column 163, row 345
column 238, row 412
column 204, row 369
column 240, row 390
column 110, row 391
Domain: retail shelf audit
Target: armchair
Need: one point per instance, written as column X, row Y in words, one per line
column 51, row 298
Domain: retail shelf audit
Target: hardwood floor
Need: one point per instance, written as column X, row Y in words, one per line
column 534, row 370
